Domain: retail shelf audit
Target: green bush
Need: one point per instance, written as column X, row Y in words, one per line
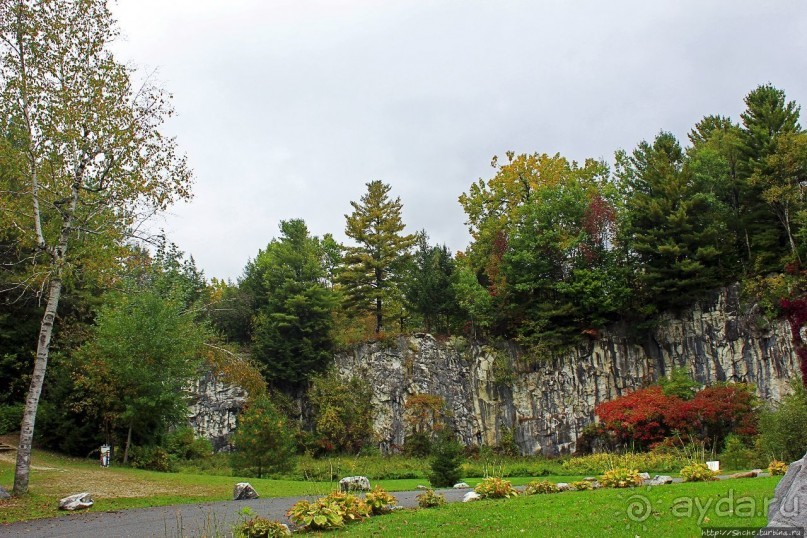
column 494, row 487
column 447, row 459
column 351, row 507
column 379, row 501
column 10, row 418
column 260, row 527
column 783, row 431
column 698, row 472
column 430, row 499
column 183, row 444
column 582, row 485
column 153, row 458
column 540, row 487
column 621, row 478
column 318, row 515
column 418, row 444
column 736, row 455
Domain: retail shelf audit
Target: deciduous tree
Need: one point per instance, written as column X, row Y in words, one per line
column 91, row 159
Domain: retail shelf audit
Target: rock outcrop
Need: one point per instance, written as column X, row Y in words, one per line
column 790, row 498
column 546, row 402
column 214, row 408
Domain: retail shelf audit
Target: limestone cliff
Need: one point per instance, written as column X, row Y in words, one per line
column 548, row 402
column 214, row 408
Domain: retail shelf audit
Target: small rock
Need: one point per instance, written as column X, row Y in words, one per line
column 354, row 483
column 244, row 491
column 461, row 485
column 471, row 496
column 644, row 476
column 4, row 494
column 749, row 474
column 421, row 487
column 79, row 501
column 659, row 480
column 590, row 479
column 563, row 486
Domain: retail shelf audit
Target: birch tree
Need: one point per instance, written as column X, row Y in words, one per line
column 89, row 160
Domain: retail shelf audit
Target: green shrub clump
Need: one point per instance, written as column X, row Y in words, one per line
column 152, row 458
column 698, row 472
column 260, row 527
column 430, row 499
column 540, row 486
column 351, row 507
column 582, row 485
column 495, row 488
column 736, row 455
column 379, row 501
column 621, row 478
column 321, row 514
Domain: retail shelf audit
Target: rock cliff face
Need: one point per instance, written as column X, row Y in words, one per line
column 547, row 402
column 214, row 408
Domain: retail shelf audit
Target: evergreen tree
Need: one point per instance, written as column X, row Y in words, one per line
column 263, row 439
column 372, row 271
column 768, row 116
column 672, row 226
column 429, row 292
column 292, row 330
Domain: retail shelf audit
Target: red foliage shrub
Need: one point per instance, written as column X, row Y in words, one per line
column 647, row 416
column 639, row 416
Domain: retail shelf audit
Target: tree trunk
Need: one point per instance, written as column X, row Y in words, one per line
column 128, row 443
column 22, row 471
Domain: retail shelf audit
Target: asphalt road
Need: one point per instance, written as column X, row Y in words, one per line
column 192, row 520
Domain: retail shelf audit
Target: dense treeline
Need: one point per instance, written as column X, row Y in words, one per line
column 560, row 250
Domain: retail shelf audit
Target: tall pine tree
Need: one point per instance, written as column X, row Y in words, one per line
column 371, row 274
column 292, row 330
column 673, row 226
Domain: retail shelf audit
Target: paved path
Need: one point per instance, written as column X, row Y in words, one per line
column 193, row 520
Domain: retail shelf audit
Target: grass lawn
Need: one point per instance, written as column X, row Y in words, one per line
column 669, row 511
column 54, row 476
column 674, row 510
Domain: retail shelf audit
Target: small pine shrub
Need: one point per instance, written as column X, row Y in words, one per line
column 446, row 466
column 621, row 478
column 495, row 488
column 582, row 485
column 698, row 472
column 260, row 527
column 351, row 507
column 777, row 468
column 540, row 486
column 430, row 499
column 318, row 515
column 736, row 455
column 379, row 501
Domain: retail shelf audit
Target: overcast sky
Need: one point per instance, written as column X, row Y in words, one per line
column 286, row 109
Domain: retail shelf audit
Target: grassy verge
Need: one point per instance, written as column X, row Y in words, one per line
column 55, row 476
column 677, row 510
